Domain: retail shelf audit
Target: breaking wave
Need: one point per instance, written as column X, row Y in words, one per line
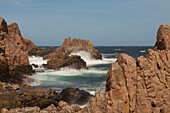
column 87, row 57
column 90, row 80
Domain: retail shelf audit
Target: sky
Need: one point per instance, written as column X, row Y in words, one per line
column 102, row 22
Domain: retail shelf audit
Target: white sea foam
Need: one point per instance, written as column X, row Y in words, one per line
column 87, row 57
column 37, row 60
column 71, row 72
column 109, row 55
column 142, row 51
column 117, row 49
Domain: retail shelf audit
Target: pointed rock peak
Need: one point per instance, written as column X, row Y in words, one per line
column 67, row 41
column 163, row 38
column 3, row 25
column 14, row 28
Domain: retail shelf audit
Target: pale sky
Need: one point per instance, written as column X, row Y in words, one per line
column 103, row 22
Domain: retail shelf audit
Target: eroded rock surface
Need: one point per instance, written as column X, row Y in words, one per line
column 13, row 60
column 140, row 86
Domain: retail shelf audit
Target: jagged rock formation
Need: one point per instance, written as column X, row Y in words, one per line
column 23, row 43
column 60, row 56
column 75, row 45
column 140, row 86
column 14, row 61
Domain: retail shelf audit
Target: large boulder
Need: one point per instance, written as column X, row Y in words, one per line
column 74, row 62
column 140, row 86
column 75, row 96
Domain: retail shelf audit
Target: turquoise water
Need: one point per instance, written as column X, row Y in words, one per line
column 90, row 80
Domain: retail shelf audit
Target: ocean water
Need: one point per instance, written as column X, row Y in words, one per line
column 90, row 80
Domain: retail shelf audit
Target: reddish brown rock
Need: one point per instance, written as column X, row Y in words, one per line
column 23, row 43
column 75, row 45
column 163, row 34
column 16, row 37
column 140, row 86
column 3, row 25
column 17, row 59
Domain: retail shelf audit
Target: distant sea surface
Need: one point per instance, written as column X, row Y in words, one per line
column 90, row 80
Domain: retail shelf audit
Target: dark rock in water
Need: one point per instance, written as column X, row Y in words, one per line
column 35, row 65
column 44, row 65
column 74, row 62
column 26, row 96
column 75, row 96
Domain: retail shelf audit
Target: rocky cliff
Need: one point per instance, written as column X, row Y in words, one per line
column 14, row 61
column 25, row 44
column 140, row 86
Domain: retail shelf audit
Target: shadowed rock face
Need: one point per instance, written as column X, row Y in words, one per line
column 75, row 96
column 140, row 86
column 14, row 61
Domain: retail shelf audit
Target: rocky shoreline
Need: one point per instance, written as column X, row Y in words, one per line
column 140, row 86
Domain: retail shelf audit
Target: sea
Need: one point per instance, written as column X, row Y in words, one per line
column 91, row 80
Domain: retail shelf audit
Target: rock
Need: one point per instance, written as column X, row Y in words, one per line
column 26, row 96
column 25, row 44
column 16, row 37
column 60, row 57
column 74, row 62
column 75, row 96
column 3, row 25
column 14, row 61
column 4, row 70
column 140, row 86
column 74, row 46
column 163, row 34
column 65, row 108
column 50, row 50
column 35, row 65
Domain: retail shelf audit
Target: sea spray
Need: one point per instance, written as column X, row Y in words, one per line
column 90, row 80
column 90, row 61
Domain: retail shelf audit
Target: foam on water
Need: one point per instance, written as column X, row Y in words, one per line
column 88, row 80
column 37, row 60
column 90, row 61
column 142, row 51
